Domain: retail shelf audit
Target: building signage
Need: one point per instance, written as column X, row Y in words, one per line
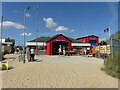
column 92, row 38
column 60, row 40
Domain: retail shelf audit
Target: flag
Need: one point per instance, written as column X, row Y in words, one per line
column 106, row 30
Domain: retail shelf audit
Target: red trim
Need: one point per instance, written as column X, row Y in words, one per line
column 4, row 62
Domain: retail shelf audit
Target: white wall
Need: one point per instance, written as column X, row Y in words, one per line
column 44, row 44
column 34, row 43
column 80, row 44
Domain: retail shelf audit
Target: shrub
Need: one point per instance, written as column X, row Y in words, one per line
column 111, row 66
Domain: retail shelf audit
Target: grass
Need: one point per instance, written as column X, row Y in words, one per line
column 112, row 65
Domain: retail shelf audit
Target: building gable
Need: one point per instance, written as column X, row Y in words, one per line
column 59, row 37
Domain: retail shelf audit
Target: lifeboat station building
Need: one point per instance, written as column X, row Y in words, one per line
column 52, row 44
column 92, row 39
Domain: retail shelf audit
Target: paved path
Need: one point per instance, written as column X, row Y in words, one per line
column 58, row 72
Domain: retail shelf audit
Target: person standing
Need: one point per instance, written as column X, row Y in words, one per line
column 32, row 54
column 60, row 51
column 93, row 51
column 88, row 52
column 104, row 58
column 84, row 51
column 64, row 52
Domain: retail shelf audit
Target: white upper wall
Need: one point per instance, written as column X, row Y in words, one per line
column 80, row 44
column 34, row 43
column 44, row 44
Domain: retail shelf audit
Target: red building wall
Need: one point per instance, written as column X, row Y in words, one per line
column 49, row 48
column 88, row 38
column 59, row 38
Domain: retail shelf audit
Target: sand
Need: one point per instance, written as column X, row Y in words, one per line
column 58, row 72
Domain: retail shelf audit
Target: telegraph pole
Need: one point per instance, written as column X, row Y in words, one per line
column 1, row 29
column 1, row 37
column 25, row 11
column 36, row 29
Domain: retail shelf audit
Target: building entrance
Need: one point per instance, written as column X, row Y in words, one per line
column 93, row 43
column 56, row 45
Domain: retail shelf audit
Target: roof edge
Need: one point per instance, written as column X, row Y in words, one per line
column 57, row 36
column 86, row 37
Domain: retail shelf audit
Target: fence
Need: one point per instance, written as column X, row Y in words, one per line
column 115, row 47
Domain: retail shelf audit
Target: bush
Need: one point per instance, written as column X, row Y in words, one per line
column 111, row 66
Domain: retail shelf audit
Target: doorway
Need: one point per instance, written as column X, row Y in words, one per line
column 56, row 45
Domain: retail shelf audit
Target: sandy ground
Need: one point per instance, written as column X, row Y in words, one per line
column 57, row 72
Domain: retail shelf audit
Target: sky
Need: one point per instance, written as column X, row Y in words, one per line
column 73, row 19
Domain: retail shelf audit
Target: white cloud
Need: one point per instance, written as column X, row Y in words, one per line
column 27, row 15
column 12, row 24
column 103, row 39
column 61, row 28
column 26, row 34
column 50, row 23
column 72, row 30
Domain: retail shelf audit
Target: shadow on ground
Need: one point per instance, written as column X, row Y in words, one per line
column 36, row 60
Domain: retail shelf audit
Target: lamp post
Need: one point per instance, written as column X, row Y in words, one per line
column 25, row 10
column 1, row 37
column 36, row 30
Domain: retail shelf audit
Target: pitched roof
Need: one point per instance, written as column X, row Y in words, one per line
column 41, row 39
column 73, row 40
column 87, row 36
column 47, row 39
column 57, row 36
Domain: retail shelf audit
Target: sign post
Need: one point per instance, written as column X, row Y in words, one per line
column 4, row 65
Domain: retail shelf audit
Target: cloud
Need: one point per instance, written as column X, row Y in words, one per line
column 72, row 30
column 9, row 24
column 61, row 28
column 29, row 34
column 50, row 23
column 27, row 15
column 103, row 39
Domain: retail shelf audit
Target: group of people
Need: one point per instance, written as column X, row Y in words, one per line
column 88, row 51
column 60, row 51
column 30, row 54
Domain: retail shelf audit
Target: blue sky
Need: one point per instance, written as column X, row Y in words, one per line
column 71, row 19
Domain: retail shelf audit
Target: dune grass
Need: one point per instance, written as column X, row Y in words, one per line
column 112, row 65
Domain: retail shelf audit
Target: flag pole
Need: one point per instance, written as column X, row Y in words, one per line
column 109, row 32
column 111, row 43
